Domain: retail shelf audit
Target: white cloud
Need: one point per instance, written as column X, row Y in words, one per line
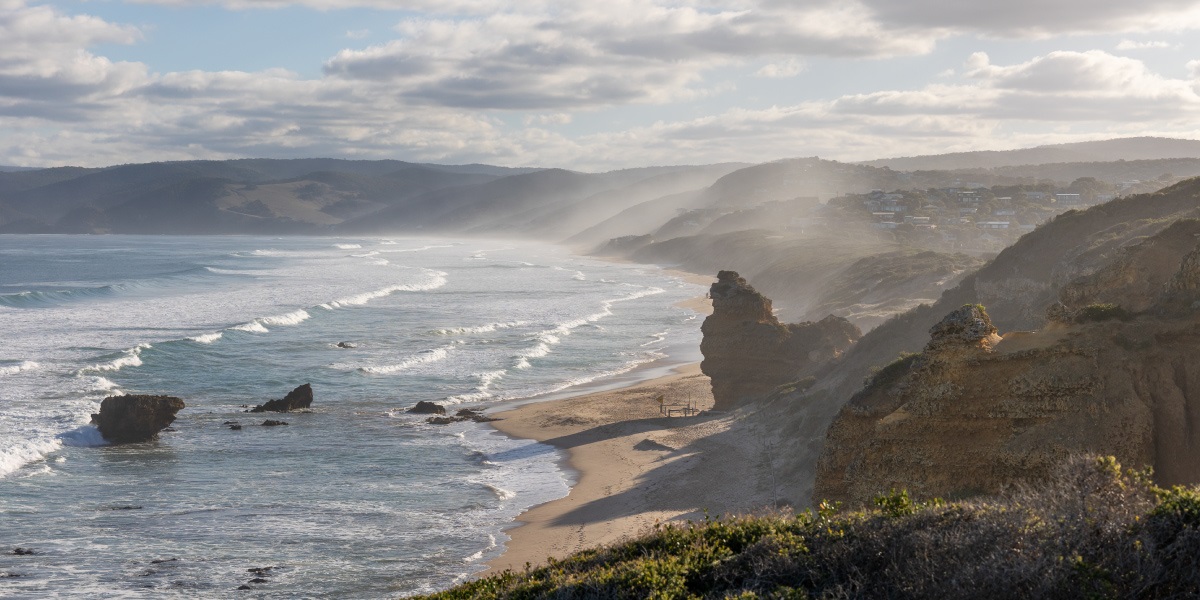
column 358, row 34
column 786, row 68
column 438, row 91
column 1132, row 45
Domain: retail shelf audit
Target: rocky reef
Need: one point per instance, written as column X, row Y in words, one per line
column 301, row 397
column 1113, row 373
column 748, row 352
column 134, row 418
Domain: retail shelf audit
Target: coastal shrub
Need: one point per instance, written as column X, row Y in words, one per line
column 1102, row 312
column 1093, row 530
column 888, row 374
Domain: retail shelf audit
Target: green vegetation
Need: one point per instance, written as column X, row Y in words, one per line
column 888, row 374
column 1102, row 312
column 1094, row 531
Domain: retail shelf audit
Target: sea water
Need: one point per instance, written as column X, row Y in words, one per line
column 355, row 499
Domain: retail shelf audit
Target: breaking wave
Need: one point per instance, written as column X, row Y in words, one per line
column 259, row 325
column 552, row 337
column 437, row 280
column 490, row 327
column 128, row 358
column 421, row 358
column 27, row 365
column 207, row 338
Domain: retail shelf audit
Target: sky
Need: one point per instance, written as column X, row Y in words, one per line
column 588, row 85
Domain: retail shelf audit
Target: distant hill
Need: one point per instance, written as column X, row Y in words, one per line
column 5, row 169
column 1136, row 148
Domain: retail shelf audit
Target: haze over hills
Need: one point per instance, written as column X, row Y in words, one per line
column 1135, row 148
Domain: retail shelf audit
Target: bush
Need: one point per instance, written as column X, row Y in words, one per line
column 1102, row 312
column 886, row 375
column 1093, row 530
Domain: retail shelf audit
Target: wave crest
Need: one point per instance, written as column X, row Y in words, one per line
column 21, row 367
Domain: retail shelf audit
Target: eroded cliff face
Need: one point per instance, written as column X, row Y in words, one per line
column 748, row 352
column 973, row 412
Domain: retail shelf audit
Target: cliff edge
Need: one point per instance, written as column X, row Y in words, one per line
column 1112, row 373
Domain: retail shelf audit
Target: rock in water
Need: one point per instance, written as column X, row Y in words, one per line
column 128, row 419
column 748, row 352
column 301, row 397
column 425, row 407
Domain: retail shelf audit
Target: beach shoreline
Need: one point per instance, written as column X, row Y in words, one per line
column 612, row 440
column 619, row 448
column 624, row 455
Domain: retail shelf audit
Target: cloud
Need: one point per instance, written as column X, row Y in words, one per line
column 783, row 69
column 358, row 34
column 624, row 52
column 497, row 88
column 1132, row 45
column 1039, row 19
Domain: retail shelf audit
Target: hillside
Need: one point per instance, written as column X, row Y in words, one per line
column 1136, row 148
column 1017, row 287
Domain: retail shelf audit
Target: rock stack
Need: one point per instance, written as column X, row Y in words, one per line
column 748, row 352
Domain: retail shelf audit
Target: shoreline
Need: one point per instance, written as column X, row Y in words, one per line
column 623, row 458
column 612, row 440
column 609, row 471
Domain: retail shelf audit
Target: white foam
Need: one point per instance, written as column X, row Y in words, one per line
column 367, row 254
column 27, row 365
column 552, row 337
column 437, row 280
column 24, row 452
column 579, row 276
column 421, row 249
column 259, row 325
column 84, row 436
column 658, row 338
column 490, row 327
column 501, row 493
column 478, row 555
column 252, row 327
column 420, row 358
column 293, row 318
column 101, row 384
column 129, row 358
column 627, row 367
column 482, row 391
column 347, row 246
column 207, row 338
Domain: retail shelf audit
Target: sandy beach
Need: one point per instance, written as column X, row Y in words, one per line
column 634, row 465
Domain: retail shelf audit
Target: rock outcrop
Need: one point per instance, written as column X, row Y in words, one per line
column 464, row 414
column 426, row 407
column 301, row 397
column 130, row 419
column 974, row 412
column 748, row 352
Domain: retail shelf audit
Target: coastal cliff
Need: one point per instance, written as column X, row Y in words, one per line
column 1112, row 373
column 748, row 352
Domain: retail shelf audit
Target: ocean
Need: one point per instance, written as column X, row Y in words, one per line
column 355, row 499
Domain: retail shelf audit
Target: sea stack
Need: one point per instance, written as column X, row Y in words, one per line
column 301, row 397
column 131, row 419
column 748, row 352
